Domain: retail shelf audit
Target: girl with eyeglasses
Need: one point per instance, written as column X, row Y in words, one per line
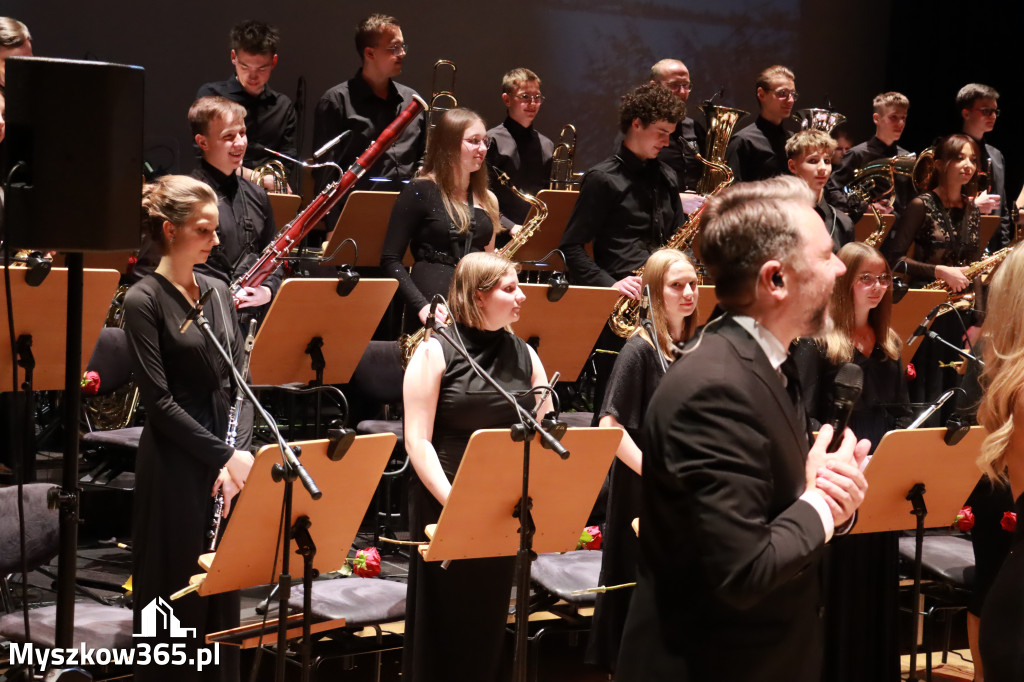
column 446, row 212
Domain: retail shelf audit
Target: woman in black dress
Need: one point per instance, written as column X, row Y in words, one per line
column 186, row 389
column 861, row 579
column 637, row 371
column 455, row 617
column 1002, row 460
column 442, row 215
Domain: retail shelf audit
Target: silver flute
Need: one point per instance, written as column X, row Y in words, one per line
column 236, row 408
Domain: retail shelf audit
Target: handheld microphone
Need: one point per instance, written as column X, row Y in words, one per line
column 922, row 328
column 848, row 386
column 196, row 311
column 323, row 150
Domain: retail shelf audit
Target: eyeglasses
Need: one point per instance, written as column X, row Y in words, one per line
column 477, row 141
column 988, row 111
column 530, row 99
column 677, row 86
column 867, row 279
column 402, row 48
column 786, row 93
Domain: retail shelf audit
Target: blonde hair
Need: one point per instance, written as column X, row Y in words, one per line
column 479, row 271
column 1003, row 376
column 807, row 141
column 655, row 271
column 441, row 164
column 511, row 81
column 13, row 33
column 838, row 343
column 174, row 199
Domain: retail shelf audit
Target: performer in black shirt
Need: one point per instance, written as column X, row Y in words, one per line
column 15, row 41
column 366, row 104
column 758, row 151
column 890, row 119
column 270, row 119
column 688, row 139
column 810, row 159
column 517, row 149
column 629, row 203
column 979, row 107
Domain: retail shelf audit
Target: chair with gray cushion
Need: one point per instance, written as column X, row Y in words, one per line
column 96, row 625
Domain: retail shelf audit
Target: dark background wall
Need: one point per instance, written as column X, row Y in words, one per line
column 587, row 52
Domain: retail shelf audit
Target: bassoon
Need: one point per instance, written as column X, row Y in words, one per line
column 294, row 232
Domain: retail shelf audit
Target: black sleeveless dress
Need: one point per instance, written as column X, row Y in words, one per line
column 455, row 617
column 1002, row 618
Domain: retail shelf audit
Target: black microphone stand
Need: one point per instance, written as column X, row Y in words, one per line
column 648, row 324
column 288, row 470
column 523, row 432
column 964, row 354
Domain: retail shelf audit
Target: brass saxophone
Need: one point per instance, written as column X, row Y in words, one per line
column 407, row 343
column 232, row 436
column 625, row 317
column 965, row 299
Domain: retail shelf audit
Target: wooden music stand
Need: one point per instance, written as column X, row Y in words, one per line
column 908, row 313
column 904, row 458
column 245, row 555
column 867, row 224
column 306, row 309
column 915, row 477
column 284, row 206
column 478, row 521
column 364, row 218
column 706, row 302
column 987, row 228
column 40, row 313
column 107, row 260
column 560, row 203
column 567, row 329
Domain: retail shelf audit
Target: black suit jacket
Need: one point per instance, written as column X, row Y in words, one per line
column 728, row 584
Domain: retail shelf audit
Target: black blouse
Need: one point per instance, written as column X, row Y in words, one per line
column 940, row 236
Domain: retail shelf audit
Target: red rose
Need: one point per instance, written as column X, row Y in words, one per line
column 590, row 538
column 911, row 372
column 1009, row 522
column 965, row 519
column 366, row 563
column 91, row 383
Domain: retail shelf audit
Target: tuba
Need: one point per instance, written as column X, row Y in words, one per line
column 818, row 119
column 562, row 159
column 721, row 121
column 441, row 98
column 407, row 343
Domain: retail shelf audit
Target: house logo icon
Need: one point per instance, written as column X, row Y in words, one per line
column 158, row 618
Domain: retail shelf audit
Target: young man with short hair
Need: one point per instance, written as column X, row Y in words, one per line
column 979, row 108
column 844, row 143
column 270, row 119
column 758, row 151
column 890, row 117
column 809, row 154
column 516, row 148
column 365, row 105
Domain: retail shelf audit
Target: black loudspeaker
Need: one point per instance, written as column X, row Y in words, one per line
column 74, row 155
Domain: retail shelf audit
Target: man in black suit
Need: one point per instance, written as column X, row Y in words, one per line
column 979, row 108
column 736, row 509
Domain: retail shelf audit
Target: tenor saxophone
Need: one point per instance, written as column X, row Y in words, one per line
column 407, row 343
column 232, row 436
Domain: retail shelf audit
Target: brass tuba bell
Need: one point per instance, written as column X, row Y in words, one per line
column 818, row 119
column 721, row 121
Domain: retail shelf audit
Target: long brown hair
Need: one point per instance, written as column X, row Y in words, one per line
column 946, row 151
column 441, row 164
column 655, row 271
column 838, row 343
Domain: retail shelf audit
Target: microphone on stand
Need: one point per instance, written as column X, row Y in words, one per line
column 196, row 311
column 324, row 149
column 922, row 328
column 650, row 327
column 930, row 410
column 848, row 386
column 431, row 317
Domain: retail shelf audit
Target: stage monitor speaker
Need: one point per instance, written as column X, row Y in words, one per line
column 74, row 155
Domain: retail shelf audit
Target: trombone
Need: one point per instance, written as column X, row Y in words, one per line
column 441, row 100
column 562, row 159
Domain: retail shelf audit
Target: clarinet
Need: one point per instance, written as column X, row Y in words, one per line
column 218, row 502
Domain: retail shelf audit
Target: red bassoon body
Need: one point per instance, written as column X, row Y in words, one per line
column 295, row 231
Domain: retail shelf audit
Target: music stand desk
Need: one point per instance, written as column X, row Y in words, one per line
column 867, row 224
column 307, row 308
column 364, row 218
column 567, row 328
column 908, row 313
column 285, row 206
column 560, row 203
column 477, row 521
column 42, row 311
